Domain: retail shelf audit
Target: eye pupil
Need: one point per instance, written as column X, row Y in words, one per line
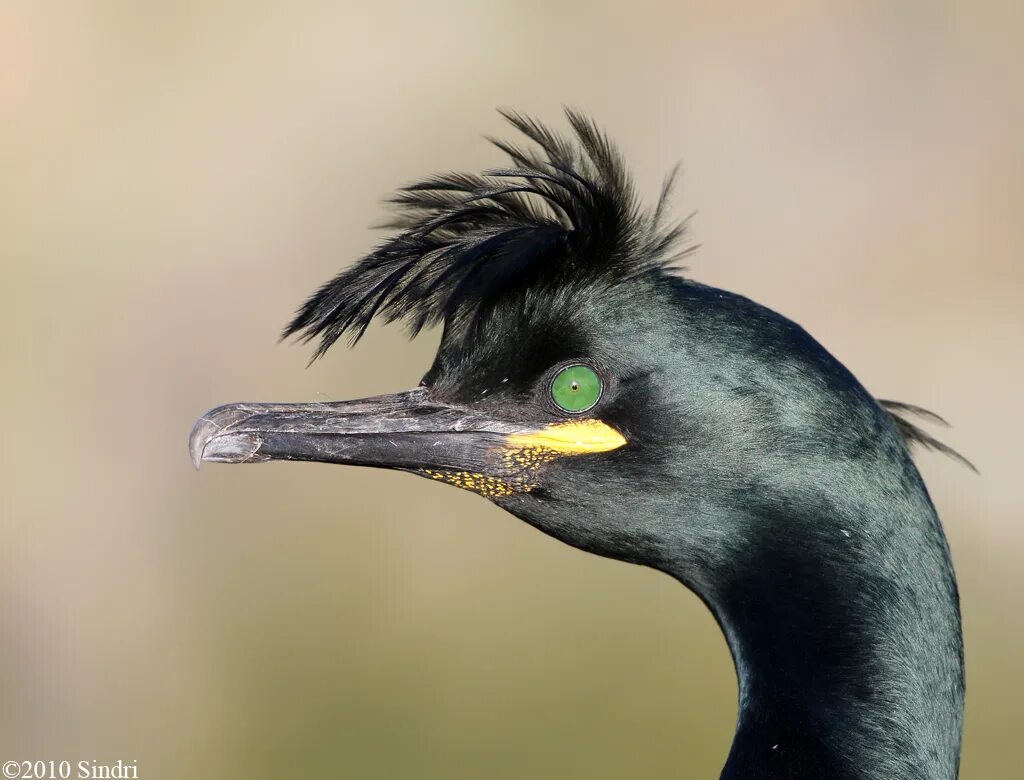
column 576, row 388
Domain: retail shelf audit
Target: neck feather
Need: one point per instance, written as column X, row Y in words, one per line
column 848, row 649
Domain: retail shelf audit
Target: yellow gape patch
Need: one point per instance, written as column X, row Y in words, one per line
column 524, row 453
column 578, row 437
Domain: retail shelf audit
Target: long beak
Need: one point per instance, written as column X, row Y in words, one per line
column 402, row 431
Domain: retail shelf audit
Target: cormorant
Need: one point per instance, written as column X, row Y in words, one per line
column 586, row 387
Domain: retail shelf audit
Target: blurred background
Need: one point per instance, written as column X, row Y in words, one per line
column 176, row 177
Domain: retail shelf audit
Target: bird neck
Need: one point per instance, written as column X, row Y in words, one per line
column 848, row 650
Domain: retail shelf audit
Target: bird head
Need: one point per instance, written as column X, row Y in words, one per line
column 580, row 382
column 585, row 386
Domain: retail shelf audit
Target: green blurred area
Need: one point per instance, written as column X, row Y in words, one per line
column 177, row 177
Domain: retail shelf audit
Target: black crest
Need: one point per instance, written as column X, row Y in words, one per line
column 564, row 211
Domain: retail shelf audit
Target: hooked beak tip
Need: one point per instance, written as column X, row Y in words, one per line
column 202, row 432
column 214, row 437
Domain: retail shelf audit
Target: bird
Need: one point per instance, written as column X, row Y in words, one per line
column 585, row 383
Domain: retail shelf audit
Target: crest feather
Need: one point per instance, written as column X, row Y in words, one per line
column 564, row 211
column 912, row 435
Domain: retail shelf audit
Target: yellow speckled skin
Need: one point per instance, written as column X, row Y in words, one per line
column 486, row 486
column 525, row 453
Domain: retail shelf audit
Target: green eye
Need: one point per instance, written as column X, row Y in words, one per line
column 576, row 388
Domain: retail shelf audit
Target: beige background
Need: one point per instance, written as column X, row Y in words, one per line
column 176, row 177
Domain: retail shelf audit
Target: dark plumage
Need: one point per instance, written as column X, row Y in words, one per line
column 563, row 214
column 721, row 445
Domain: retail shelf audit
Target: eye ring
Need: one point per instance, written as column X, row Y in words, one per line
column 575, row 388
